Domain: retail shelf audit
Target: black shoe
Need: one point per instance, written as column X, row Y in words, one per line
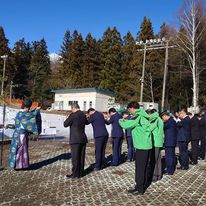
column 71, row 177
column 82, row 175
column 155, row 180
column 135, row 192
column 168, row 173
column 138, row 193
column 96, row 169
column 182, row 168
column 113, row 165
column 131, row 191
column 193, row 163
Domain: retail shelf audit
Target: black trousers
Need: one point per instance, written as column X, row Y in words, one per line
column 184, row 155
column 202, row 147
column 194, row 150
column 100, row 146
column 157, row 164
column 141, row 169
column 154, row 165
column 78, row 158
column 170, row 159
column 116, row 150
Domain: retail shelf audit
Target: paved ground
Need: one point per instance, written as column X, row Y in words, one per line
column 45, row 183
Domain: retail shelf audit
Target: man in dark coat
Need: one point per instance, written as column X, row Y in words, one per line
column 202, row 136
column 100, row 136
column 78, row 139
column 117, row 136
column 183, row 137
column 194, row 138
column 170, row 141
column 128, row 134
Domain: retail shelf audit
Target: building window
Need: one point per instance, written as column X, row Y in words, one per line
column 90, row 104
column 85, row 106
column 72, row 102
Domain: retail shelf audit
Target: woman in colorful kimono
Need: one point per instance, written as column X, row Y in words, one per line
column 25, row 124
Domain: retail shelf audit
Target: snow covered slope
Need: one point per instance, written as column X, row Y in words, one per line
column 48, row 121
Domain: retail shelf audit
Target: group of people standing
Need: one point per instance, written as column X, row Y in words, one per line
column 186, row 128
column 197, row 137
column 146, row 132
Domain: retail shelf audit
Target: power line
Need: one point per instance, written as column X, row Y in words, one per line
column 155, row 44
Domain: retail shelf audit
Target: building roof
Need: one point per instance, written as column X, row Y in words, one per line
column 79, row 90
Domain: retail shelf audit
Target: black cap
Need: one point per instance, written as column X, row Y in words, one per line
column 27, row 103
column 166, row 112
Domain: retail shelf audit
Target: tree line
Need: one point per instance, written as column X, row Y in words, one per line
column 112, row 63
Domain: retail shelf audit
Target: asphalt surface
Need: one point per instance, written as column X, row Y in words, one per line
column 45, row 183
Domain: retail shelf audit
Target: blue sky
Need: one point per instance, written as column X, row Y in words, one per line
column 35, row 19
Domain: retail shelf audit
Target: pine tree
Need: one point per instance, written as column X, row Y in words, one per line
column 110, row 58
column 146, row 30
column 4, row 49
column 22, row 58
column 39, row 71
column 64, row 70
column 66, row 45
column 130, row 85
column 72, row 52
column 90, row 65
column 77, row 48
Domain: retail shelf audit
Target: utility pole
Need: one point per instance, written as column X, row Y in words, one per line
column 10, row 91
column 11, row 87
column 143, row 73
column 4, row 57
column 2, row 126
column 165, row 76
column 149, row 45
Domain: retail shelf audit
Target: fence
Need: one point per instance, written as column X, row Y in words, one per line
column 16, row 102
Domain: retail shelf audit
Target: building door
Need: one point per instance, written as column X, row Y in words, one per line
column 61, row 105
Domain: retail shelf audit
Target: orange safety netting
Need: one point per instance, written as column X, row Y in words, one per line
column 17, row 102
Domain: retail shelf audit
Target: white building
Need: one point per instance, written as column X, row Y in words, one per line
column 96, row 98
column 149, row 105
column 143, row 105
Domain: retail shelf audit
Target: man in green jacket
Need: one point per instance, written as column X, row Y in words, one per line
column 141, row 136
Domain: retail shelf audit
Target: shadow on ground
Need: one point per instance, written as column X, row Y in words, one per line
column 108, row 161
column 38, row 165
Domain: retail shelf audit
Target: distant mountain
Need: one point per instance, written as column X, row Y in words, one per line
column 54, row 57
